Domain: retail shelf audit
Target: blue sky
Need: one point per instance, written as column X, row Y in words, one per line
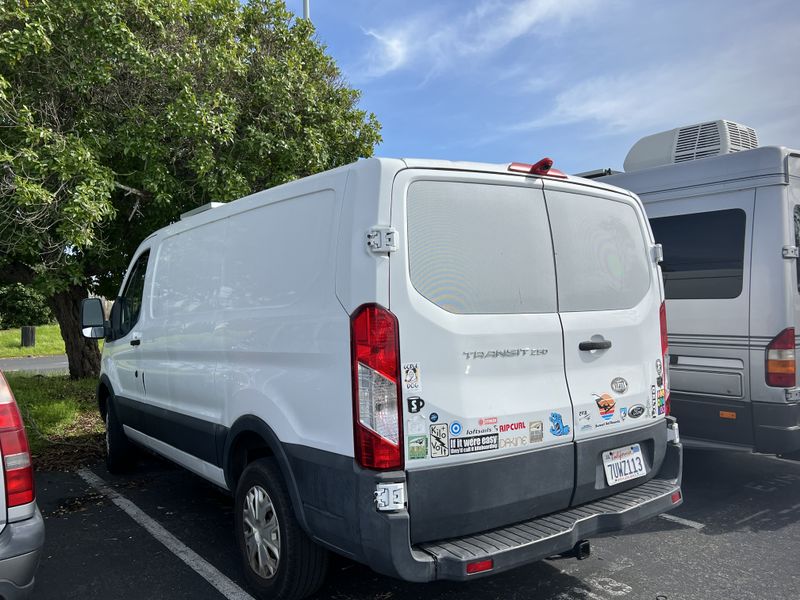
column 577, row 80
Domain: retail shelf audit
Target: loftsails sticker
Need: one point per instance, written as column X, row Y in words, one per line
column 412, row 377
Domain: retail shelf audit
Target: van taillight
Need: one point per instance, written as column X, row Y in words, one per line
column 14, row 447
column 780, row 360
column 662, row 321
column 377, row 419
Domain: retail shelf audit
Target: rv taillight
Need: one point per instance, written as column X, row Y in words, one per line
column 780, row 360
column 14, row 447
column 377, row 395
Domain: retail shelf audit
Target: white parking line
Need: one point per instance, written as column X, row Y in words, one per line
column 199, row 565
column 753, row 516
column 681, row 521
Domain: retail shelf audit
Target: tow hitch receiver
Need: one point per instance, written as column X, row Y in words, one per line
column 582, row 550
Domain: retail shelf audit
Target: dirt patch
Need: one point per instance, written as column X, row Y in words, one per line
column 70, row 452
column 77, row 504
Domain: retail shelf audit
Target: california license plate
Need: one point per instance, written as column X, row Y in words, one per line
column 624, row 464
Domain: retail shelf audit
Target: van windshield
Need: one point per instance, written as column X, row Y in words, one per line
column 480, row 248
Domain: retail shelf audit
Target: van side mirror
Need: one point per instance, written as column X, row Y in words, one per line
column 93, row 323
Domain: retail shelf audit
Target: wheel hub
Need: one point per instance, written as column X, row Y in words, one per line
column 262, row 535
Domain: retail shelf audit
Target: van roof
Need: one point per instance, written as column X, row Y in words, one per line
column 772, row 164
column 390, row 165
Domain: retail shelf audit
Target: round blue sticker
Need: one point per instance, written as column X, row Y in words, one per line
column 434, row 417
column 455, row 428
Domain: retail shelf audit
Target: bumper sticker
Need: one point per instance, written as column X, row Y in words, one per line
column 557, row 426
column 412, row 378
column 474, row 443
column 417, row 446
column 439, row 441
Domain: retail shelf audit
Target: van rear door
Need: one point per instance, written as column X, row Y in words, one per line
column 487, row 416
column 609, row 296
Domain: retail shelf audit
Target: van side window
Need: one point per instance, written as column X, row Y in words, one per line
column 703, row 253
column 131, row 299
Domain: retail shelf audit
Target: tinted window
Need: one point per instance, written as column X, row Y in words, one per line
column 602, row 259
column 703, row 253
column 131, row 299
column 480, row 248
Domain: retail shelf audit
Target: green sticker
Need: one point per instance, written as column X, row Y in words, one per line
column 417, row 446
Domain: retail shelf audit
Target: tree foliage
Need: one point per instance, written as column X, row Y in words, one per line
column 21, row 305
column 118, row 115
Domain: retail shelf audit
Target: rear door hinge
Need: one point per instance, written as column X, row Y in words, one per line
column 790, row 252
column 382, row 239
column 658, row 253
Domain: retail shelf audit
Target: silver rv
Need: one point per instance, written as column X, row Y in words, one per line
column 727, row 214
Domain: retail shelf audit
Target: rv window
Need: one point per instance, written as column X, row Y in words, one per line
column 480, row 248
column 797, row 241
column 703, row 253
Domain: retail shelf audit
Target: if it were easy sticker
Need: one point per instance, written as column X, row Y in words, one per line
column 412, row 378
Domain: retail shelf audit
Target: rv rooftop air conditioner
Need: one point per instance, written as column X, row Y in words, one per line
column 690, row 143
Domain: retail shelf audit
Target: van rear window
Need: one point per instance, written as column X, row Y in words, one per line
column 478, row 248
column 703, row 253
column 602, row 257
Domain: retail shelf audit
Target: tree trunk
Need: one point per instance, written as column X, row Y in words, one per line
column 83, row 354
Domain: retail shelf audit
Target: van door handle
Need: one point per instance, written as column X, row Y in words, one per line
column 136, row 338
column 135, row 342
column 588, row 346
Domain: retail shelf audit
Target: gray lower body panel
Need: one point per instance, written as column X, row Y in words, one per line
column 337, row 499
column 20, row 550
column 456, row 500
column 772, row 428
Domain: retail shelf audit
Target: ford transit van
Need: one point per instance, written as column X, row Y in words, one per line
column 442, row 370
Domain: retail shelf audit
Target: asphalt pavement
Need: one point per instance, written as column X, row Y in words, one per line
column 36, row 364
column 735, row 537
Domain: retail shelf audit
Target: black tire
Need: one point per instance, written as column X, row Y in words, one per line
column 301, row 564
column 119, row 450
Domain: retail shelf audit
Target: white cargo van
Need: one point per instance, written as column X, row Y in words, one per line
column 441, row 370
column 729, row 225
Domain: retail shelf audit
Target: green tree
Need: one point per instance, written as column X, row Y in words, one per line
column 21, row 305
column 118, row 115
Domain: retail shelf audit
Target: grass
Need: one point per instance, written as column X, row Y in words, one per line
column 48, row 341
column 61, row 417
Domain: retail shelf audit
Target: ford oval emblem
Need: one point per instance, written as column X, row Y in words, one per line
column 636, row 411
column 619, row 385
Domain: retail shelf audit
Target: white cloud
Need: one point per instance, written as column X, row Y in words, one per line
column 437, row 39
column 388, row 53
column 755, row 83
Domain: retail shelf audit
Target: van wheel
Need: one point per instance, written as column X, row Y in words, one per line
column 280, row 561
column 119, row 451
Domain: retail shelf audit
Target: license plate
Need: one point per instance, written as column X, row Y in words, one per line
column 624, row 464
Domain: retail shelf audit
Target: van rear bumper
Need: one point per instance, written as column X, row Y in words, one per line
column 388, row 551
column 776, row 427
